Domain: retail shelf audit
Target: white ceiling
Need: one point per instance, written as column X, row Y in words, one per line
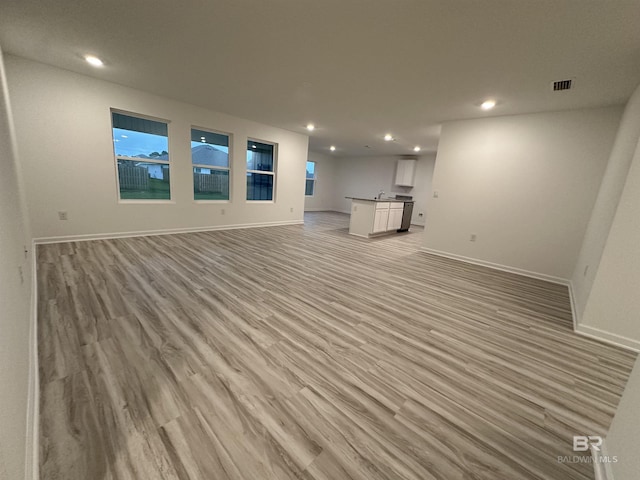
column 356, row 68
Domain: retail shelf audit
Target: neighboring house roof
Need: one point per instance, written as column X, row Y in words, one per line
column 209, row 155
column 155, row 157
column 201, row 155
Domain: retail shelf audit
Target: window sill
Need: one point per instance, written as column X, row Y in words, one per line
column 211, row 201
column 147, row 202
column 260, row 201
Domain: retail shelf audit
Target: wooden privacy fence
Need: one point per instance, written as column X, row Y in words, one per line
column 210, row 183
column 132, row 177
column 165, row 173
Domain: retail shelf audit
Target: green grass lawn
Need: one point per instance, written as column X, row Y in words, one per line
column 158, row 190
column 210, row 196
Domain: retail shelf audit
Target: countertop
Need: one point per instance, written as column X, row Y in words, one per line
column 378, row 200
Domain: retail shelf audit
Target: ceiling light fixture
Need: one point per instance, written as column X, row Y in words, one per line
column 253, row 146
column 488, row 104
column 332, row 148
column 311, row 127
column 416, row 148
column 388, row 137
column 93, row 60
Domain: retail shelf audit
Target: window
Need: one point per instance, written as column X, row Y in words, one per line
column 260, row 170
column 210, row 159
column 310, row 186
column 141, row 149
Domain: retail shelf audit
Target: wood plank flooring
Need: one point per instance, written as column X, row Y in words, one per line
column 300, row 352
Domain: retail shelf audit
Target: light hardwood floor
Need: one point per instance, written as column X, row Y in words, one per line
column 303, row 352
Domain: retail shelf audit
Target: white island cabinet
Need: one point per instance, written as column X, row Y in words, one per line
column 380, row 218
column 375, row 217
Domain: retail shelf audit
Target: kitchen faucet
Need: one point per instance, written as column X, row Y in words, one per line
column 380, row 194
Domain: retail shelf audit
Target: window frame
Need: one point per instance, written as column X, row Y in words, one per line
column 262, row 172
column 314, row 179
column 146, row 160
column 228, row 169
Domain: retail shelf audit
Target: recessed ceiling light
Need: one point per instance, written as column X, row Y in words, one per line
column 93, row 60
column 311, row 127
column 416, row 149
column 332, row 148
column 388, row 137
column 488, row 104
column 253, row 146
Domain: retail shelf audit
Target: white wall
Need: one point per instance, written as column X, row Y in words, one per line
column 423, row 187
column 15, row 302
column 613, row 305
column 366, row 176
column 524, row 184
column 613, row 310
column 63, row 127
column 608, row 296
column 324, row 196
column 622, row 439
column 606, row 204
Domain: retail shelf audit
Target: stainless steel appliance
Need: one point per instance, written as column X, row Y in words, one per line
column 407, row 212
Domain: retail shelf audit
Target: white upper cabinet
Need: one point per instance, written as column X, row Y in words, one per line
column 405, row 172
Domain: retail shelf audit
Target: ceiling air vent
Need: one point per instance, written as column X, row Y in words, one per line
column 562, row 85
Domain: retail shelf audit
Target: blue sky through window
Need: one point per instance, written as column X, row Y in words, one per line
column 311, row 169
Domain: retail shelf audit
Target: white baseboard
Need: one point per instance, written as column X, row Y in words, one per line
column 591, row 332
column 602, row 470
column 497, row 266
column 607, row 337
column 596, row 333
column 147, row 233
column 33, row 393
column 332, row 210
column 574, row 308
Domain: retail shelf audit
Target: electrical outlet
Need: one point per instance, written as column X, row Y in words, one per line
column 63, row 215
column 435, row 194
column 291, row 209
column 420, row 214
column 222, row 211
column 473, row 237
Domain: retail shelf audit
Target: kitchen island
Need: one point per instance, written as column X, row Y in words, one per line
column 373, row 216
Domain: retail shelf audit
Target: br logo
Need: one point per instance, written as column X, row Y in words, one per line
column 583, row 443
